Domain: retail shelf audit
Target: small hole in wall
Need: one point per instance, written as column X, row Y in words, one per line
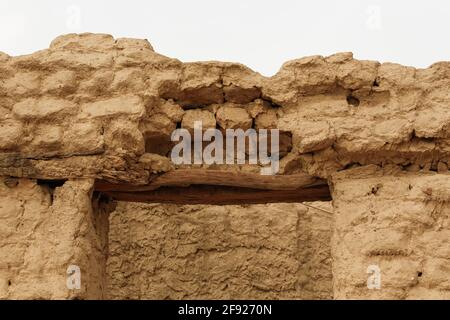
column 375, row 189
column 158, row 144
column 52, row 184
column 9, row 283
column 376, row 83
column 419, row 274
column 351, row 100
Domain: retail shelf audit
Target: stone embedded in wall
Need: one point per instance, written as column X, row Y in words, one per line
column 266, row 120
column 231, row 116
column 123, row 136
column 124, row 105
column 204, row 116
column 84, row 137
column 37, row 109
column 151, row 160
column 313, row 136
column 11, row 134
column 61, row 82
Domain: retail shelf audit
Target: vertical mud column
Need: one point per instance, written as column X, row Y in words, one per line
column 392, row 235
column 47, row 230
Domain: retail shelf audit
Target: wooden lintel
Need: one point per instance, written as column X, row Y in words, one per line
column 199, row 186
column 219, row 195
column 187, row 177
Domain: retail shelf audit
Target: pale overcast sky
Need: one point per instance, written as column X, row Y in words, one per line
column 261, row 34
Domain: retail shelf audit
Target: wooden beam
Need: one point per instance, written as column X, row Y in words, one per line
column 200, row 186
column 222, row 195
column 187, row 177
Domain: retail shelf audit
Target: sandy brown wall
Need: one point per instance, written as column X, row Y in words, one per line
column 94, row 110
column 95, row 106
column 398, row 222
column 42, row 232
column 275, row 251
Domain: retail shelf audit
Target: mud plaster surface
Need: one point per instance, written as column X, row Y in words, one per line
column 94, row 107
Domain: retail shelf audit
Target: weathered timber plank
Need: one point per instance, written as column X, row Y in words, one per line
column 220, row 195
column 187, row 177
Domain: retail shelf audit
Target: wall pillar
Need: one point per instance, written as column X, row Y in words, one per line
column 44, row 229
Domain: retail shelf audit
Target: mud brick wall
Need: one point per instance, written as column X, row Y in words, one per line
column 274, row 251
column 45, row 230
column 399, row 222
column 95, row 106
column 93, row 110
